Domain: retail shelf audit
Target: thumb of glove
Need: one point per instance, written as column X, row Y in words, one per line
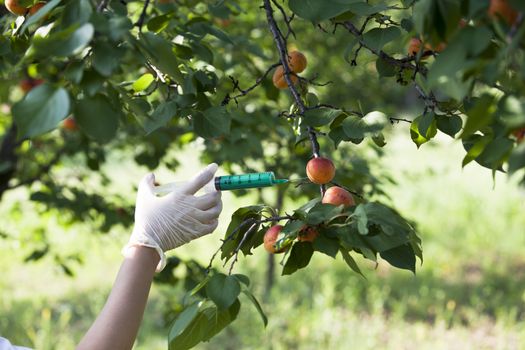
column 146, row 186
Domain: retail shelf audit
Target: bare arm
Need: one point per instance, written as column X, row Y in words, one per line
column 161, row 224
column 117, row 325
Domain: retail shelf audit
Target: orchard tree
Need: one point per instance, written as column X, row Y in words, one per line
column 262, row 86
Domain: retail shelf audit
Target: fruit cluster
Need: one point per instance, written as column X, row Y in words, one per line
column 297, row 63
column 320, row 171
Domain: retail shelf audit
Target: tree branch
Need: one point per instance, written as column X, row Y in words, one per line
column 280, row 42
column 244, row 92
column 250, row 221
column 142, row 17
column 102, row 5
column 405, row 63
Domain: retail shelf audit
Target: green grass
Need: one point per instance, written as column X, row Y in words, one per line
column 468, row 294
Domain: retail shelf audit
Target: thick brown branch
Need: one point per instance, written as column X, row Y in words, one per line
column 280, row 42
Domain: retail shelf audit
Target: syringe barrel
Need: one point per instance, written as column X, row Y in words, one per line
column 252, row 180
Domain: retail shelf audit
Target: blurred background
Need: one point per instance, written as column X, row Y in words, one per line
column 469, row 293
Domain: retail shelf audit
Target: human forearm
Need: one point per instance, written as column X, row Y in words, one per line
column 117, row 325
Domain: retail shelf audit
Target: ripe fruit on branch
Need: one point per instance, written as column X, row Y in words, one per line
column 34, row 9
column 320, row 170
column 414, row 46
column 297, row 61
column 270, row 237
column 278, row 78
column 28, row 84
column 502, row 8
column 69, row 124
column 336, row 196
column 307, row 234
column 15, row 8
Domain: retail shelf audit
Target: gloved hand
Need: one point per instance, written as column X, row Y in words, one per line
column 167, row 222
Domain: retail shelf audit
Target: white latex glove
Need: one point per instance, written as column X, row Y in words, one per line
column 167, row 222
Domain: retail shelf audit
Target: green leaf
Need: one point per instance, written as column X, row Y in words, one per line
column 214, row 122
column 41, row 110
column 384, row 68
column 118, row 26
column 160, row 52
column 480, row 114
column 426, row 125
column 377, row 38
column 74, row 72
column 64, row 43
column 450, row 125
column 364, row 9
column 361, row 219
column 143, row 82
column 242, row 278
column 417, row 137
column 320, row 117
column 389, row 220
column 402, row 257
column 183, row 320
column 40, row 14
column 299, row 257
column 106, row 58
column 258, row 307
column 496, row 153
column 97, row 118
column 159, row 23
column 319, row 10
column 322, row 212
column 161, row 116
column 76, row 12
column 208, row 322
column 474, row 146
column 350, row 262
column 223, row 290
column 241, row 217
column 517, row 158
column 325, row 245
column 203, row 28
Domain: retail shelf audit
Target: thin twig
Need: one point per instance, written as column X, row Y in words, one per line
column 244, row 92
column 142, row 17
column 238, row 248
column 102, row 5
column 392, row 120
column 241, row 225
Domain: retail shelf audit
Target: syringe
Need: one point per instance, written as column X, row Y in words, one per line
column 230, row 182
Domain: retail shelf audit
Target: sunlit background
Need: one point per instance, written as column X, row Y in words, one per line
column 469, row 293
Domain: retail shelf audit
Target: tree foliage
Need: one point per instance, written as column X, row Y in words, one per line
column 147, row 77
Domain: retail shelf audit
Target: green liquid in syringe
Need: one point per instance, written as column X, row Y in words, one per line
column 252, row 180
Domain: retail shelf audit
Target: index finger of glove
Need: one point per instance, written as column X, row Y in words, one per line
column 200, row 180
column 208, row 200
